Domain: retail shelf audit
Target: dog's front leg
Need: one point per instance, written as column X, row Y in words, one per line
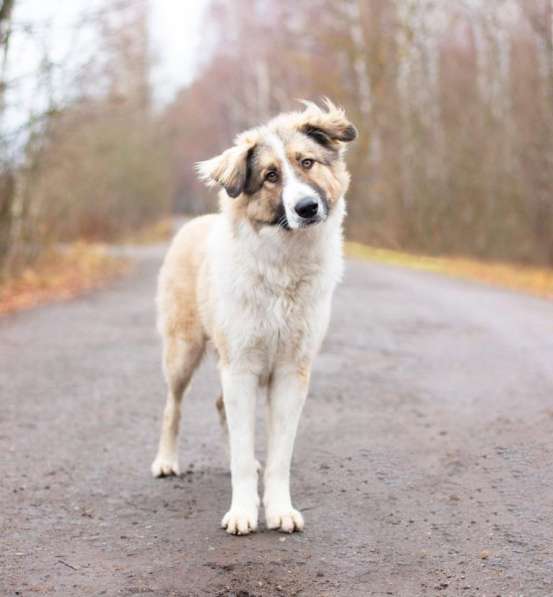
column 286, row 399
column 239, row 392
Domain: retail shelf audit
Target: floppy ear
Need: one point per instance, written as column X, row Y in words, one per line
column 328, row 127
column 230, row 169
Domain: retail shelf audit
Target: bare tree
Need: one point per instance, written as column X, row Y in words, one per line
column 7, row 182
column 90, row 160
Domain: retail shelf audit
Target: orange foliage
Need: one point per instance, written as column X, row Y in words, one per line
column 60, row 275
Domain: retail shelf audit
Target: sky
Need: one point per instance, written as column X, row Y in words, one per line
column 176, row 38
column 175, row 27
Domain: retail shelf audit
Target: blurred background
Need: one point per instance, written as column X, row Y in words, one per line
column 106, row 105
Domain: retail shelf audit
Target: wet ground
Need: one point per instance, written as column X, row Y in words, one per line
column 424, row 461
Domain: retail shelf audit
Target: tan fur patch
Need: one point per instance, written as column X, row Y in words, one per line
column 304, row 372
column 178, row 300
column 221, row 346
column 333, row 180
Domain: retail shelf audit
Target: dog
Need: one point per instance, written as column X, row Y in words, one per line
column 256, row 280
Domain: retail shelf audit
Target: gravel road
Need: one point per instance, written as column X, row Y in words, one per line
column 423, row 466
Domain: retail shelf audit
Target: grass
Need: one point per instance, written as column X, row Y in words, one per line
column 60, row 275
column 159, row 232
column 531, row 280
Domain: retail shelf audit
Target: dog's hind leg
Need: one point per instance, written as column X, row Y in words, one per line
column 220, row 405
column 180, row 359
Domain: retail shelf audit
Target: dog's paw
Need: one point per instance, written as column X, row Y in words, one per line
column 286, row 520
column 239, row 521
column 164, row 466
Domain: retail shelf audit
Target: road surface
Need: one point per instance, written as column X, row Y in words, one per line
column 424, row 461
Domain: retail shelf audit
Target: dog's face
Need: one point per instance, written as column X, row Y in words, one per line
column 289, row 173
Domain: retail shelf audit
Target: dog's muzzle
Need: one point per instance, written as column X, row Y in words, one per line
column 309, row 210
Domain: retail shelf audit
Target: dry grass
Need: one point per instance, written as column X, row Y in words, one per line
column 159, row 232
column 531, row 280
column 60, row 275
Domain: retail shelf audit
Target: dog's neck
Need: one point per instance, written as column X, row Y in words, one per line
column 298, row 252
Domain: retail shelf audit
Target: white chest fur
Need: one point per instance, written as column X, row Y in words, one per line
column 273, row 289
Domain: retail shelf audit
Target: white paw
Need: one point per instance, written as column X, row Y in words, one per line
column 286, row 520
column 239, row 521
column 164, row 466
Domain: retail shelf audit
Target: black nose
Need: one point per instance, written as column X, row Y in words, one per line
column 307, row 208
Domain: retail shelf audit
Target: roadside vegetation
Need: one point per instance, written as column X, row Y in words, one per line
column 58, row 275
column 61, row 272
column 531, row 280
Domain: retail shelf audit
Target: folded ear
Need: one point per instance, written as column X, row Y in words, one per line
column 230, row 169
column 329, row 127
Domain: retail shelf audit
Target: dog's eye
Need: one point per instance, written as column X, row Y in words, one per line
column 307, row 163
column 272, row 176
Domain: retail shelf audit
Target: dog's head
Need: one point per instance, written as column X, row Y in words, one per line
column 288, row 173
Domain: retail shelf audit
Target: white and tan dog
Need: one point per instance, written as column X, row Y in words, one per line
column 257, row 281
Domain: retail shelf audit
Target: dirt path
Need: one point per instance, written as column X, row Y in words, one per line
column 424, row 462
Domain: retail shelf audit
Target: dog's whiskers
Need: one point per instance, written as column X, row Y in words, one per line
column 283, row 222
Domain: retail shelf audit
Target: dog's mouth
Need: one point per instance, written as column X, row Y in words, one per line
column 299, row 225
column 306, row 222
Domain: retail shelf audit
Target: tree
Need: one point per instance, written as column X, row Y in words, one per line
column 7, row 181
